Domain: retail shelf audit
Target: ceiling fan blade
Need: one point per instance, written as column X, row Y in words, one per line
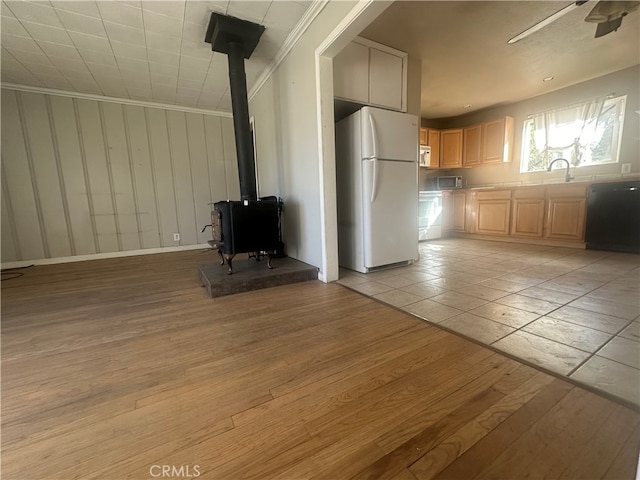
column 550, row 19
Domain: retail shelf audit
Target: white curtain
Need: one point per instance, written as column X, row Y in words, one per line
column 567, row 131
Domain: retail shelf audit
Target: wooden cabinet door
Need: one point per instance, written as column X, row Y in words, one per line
column 351, row 73
column 451, row 148
column 528, row 217
column 493, row 217
column 385, row 79
column 498, row 140
column 424, row 135
column 459, row 210
column 472, row 146
column 565, row 218
column 454, row 208
column 433, row 140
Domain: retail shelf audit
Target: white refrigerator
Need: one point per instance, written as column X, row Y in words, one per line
column 377, row 189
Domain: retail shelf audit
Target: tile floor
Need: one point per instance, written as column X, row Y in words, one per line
column 571, row 311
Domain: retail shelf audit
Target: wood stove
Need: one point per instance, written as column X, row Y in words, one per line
column 247, row 227
column 250, row 225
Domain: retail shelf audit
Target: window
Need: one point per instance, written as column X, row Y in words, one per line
column 585, row 134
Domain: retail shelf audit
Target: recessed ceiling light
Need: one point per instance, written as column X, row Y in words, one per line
column 547, row 79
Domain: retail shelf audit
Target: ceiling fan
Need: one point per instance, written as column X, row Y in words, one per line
column 607, row 14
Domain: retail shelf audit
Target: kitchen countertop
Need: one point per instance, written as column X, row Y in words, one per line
column 585, row 180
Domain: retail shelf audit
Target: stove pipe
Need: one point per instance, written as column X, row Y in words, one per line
column 237, row 39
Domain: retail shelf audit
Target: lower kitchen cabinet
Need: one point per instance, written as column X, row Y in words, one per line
column 454, row 207
column 565, row 218
column 566, row 212
column 527, row 217
column 550, row 213
column 493, row 212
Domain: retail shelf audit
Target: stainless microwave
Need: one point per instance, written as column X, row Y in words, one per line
column 445, row 183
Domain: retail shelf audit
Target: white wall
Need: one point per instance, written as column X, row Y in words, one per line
column 285, row 111
column 84, row 176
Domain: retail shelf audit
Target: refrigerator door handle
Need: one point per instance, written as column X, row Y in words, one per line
column 374, row 157
column 374, row 137
column 374, row 180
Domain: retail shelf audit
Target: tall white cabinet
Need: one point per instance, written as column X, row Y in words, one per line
column 369, row 73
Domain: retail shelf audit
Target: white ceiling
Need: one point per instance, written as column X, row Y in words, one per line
column 466, row 58
column 154, row 50
column 149, row 50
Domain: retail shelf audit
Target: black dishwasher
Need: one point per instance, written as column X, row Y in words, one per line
column 613, row 217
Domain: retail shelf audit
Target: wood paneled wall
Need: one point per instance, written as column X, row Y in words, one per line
column 84, row 176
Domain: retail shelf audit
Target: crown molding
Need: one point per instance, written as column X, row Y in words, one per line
column 100, row 98
column 309, row 16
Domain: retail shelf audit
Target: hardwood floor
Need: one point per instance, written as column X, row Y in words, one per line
column 119, row 368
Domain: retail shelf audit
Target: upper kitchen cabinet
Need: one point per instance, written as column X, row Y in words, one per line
column 451, row 148
column 472, row 145
column 498, row 141
column 431, row 137
column 369, row 73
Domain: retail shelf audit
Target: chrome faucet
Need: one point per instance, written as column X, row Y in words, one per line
column 567, row 177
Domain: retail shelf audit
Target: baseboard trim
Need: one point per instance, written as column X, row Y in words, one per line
column 99, row 256
column 509, row 239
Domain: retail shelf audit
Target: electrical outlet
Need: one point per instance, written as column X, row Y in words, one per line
column 176, row 237
column 626, row 168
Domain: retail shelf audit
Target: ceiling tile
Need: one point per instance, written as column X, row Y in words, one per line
column 5, row 11
column 83, row 7
column 163, row 69
column 85, row 87
column 79, row 75
column 125, row 63
column 154, row 22
column 99, row 70
column 167, row 80
column 22, row 78
column 249, row 10
column 47, row 33
column 43, row 71
column 224, row 105
column 33, row 57
column 12, row 26
column 165, row 58
column 200, row 50
column 122, row 48
column 284, row 15
column 65, row 64
column 194, row 64
column 194, row 32
column 58, row 50
column 200, row 12
column 121, row 13
column 186, row 84
column 13, row 42
column 91, row 42
column 113, row 90
column 34, row 12
column 58, row 83
column 170, row 8
column 129, row 51
column 81, row 23
column 161, row 42
column 139, row 93
column 125, row 34
column 97, row 57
